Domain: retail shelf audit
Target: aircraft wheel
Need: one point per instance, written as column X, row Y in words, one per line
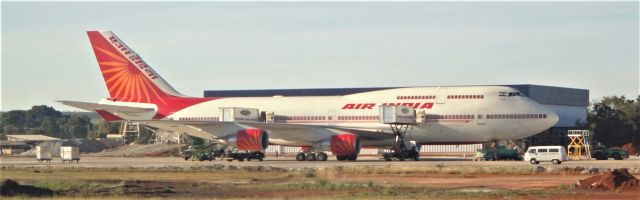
column 387, row 157
column 300, row 157
column 339, row 157
column 401, row 156
column 311, row 157
column 322, row 156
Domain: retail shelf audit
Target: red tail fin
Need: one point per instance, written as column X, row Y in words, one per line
column 130, row 79
column 127, row 76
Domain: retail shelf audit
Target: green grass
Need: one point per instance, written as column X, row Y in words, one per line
column 97, row 174
column 463, row 170
column 358, row 190
column 80, row 187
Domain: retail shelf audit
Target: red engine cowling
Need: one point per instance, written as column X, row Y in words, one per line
column 345, row 144
column 252, row 139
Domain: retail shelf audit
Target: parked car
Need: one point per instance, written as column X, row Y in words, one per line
column 537, row 154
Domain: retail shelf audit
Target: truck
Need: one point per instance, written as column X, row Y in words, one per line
column 616, row 154
column 70, row 153
column 187, row 153
column 241, row 156
column 202, row 154
column 500, row 153
column 43, row 154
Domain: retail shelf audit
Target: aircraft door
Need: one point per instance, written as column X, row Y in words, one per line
column 481, row 118
column 442, row 95
column 227, row 115
column 331, row 117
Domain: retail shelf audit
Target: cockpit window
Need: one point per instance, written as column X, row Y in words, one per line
column 511, row 94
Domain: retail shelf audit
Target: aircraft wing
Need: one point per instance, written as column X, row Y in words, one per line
column 294, row 133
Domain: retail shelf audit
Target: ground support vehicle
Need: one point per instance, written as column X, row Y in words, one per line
column 70, row 154
column 616, row 154
column 244, row 155
column 537, row 154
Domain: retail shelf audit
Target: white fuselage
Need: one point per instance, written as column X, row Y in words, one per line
column 472, row 114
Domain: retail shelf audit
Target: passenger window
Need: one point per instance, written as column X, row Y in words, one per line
column 554, row 150
column 532, row 150
column 542, row 150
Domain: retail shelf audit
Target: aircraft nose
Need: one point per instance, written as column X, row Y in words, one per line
column 552, row 118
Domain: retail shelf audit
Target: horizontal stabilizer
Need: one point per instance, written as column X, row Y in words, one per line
column 114, row 112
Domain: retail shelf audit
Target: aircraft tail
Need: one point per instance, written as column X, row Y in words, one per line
column 127, row 76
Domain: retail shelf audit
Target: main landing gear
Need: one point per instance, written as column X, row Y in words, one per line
column 400, row 148
column 312, row 156
column 322, row 156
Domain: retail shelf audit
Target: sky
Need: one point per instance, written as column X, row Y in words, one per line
column 199, row 46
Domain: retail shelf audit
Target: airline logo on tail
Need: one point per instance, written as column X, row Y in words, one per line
column 127, row 76
column 132, row 56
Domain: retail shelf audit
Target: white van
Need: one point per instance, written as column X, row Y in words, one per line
column 555, row 154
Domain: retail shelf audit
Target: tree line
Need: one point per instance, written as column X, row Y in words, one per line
column 46, row 120
column 615, row 120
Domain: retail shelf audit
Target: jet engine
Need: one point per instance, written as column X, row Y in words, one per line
column 345, row 144
column 252, row 139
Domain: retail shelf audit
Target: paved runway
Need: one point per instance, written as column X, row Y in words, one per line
column 289, row 162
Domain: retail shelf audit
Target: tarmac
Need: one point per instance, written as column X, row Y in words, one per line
column 289, row 162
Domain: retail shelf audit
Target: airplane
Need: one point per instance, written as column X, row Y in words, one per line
column 341, row 125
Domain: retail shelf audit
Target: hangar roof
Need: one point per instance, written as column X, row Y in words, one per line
column 28, row 138
column 555, row 95
column 550, row 95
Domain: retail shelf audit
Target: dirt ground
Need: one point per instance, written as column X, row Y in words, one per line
column 276, row 183
column 284, row 178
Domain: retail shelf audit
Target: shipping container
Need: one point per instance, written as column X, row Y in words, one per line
column 234, row 114
column 70, row 154
column 397, row 115
column 43, row 154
